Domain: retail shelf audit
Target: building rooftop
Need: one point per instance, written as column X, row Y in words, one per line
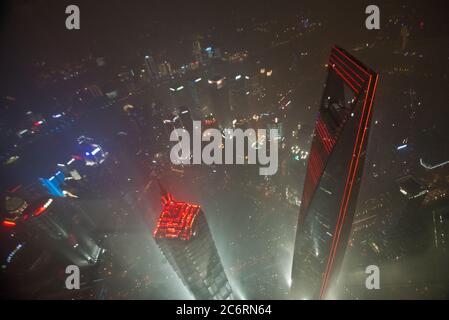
column 410, row 187
column 176, row 219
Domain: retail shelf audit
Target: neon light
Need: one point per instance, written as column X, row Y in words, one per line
column 238, row 77
column 327, row 133
column 9, row 224
column 198, row 80
column 13, row 253
column 349, row 68
column 42, row 208
column 176, row 220
column 96, row 150
column 326, row 137
column 430, row 167
column 344, row 78
column 346, row 73
column 39, row 211
column 356, row 64
column 401, row 147
column 324, row 140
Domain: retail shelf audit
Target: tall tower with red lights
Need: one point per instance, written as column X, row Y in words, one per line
column 333, row 175
column 185, row 239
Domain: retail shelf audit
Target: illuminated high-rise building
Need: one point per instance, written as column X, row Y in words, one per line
column 153, row 72
column 56, row 224
column 239, row 95
column 185, row 239
column 197, row 51
column 165, row 70
column 219, row 94
column 199, row 92
column 412, row 232
column 333, row 175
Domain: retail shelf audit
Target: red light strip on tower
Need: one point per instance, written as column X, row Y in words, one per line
column 334, row 56
column 343, row 77
column 335, row 64
column 324, row 142
column 325, row 138
column 332, row 251
column 361, row 144
column 351, row 176
column 352, row 61
column 316, row 164
column 327, row 135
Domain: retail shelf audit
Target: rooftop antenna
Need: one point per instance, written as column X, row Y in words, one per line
column 166, row 197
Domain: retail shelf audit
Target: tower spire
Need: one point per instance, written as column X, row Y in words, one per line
column 166, row 197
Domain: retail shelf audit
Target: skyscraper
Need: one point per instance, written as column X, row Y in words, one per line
column 199, row 92
column 56, row 224
column 412, row 232
column 219, row 94
column 333, row 175
column 185, row 239
column 165, row 70
column 197, row 52
column 238, row 95
column 153, row 72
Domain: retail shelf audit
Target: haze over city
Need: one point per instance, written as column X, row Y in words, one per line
column 362, row 164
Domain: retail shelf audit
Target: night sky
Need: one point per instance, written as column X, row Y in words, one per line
column 35, row 30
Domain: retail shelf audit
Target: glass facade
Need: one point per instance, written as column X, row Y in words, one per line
column 333, row 175
column 185, row 239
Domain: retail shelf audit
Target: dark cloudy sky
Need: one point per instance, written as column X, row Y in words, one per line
column 32, row 30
